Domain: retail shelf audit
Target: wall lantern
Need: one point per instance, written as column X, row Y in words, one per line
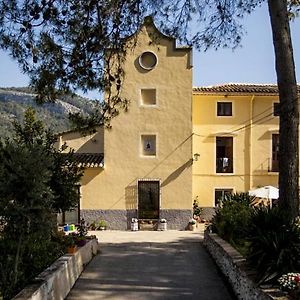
column 196, row 156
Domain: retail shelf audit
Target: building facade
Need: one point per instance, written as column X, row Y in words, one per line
column 175, row 144
column 146, row 172
column 236, row 133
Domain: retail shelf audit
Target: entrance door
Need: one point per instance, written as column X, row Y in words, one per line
column 148, row 199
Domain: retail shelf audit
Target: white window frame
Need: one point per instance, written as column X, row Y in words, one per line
column 221, row 188
column 140, row 151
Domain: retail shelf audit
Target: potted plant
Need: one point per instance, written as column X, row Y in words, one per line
column 197, row 211
column 291, row 284
column 162, row 225
column 80, row 237
column 70, row 243
column 134, row 224
column 93, row 226
column 102, row 225
column 192, row 224
column 80, row 241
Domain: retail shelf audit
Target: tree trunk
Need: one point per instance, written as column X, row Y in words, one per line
column 289, row 115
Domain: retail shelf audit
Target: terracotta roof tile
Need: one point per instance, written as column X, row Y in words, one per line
column 239, row 88
column 89, row 160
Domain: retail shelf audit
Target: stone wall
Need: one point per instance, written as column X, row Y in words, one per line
column 233, row 266
column 57, row 280
column 121, row 219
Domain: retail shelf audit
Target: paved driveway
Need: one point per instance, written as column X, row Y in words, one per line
column 150, row 265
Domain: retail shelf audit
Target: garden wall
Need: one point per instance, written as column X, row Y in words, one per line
column 233, row 266
column 57, row 280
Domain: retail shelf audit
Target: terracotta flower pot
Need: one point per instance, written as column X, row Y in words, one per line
column 72, row 249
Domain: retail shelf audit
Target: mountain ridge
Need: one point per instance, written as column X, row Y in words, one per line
column 15, row 100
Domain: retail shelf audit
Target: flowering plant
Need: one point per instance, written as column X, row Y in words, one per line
column 290, row 282
column 163, row 221
column 134, row 220
column 192, row 221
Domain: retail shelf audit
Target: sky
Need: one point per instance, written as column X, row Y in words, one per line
column 253, row 62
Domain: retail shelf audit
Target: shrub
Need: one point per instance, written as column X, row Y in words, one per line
column 232, row 218
column 274, row 244
column 102, row 224
column 197, row 211
column 36, row 181
column 82, row 228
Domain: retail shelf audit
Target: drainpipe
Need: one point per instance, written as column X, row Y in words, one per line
column 250, row 143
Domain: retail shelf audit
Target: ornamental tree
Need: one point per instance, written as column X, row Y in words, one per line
column 36, row 181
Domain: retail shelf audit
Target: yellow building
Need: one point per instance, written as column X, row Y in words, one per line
column 142, row 166
column 236, row 129
column 175, row 144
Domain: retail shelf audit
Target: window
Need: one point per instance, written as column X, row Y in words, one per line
column 224, row 109
column 224, row 154
column 275, row 152
column 148, row 97
column 276, row 109
column 148, row 145
column 220, row 195
column 148, row 60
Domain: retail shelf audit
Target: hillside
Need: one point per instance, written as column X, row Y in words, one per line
column 14, row 101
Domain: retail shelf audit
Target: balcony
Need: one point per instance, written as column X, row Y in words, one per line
column 224, row 165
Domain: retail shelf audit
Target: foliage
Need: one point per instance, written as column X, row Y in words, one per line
column 102, row 224
column 66, row 45
column 274, row 243
column 267, row 237
column 82, row 228
column 290, row 281
column 98, row 225
column 196, row 209
column 63, row 45
column 69, row 240
column 28, row 201
column 233, row 217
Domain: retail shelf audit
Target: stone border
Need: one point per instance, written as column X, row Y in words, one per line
column 58, row 279
column 233, row 266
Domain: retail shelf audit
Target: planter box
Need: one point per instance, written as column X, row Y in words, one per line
column 162, row 226
column 233, row 266
column 57, row 280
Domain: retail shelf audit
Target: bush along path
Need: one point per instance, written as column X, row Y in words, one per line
column 267, row 237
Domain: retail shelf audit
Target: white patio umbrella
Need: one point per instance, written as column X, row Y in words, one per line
column 267, row 192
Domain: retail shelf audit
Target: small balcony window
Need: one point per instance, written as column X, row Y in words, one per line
column 276, row 109
column 224, row 155
column 275, row 153
column 224, row 109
